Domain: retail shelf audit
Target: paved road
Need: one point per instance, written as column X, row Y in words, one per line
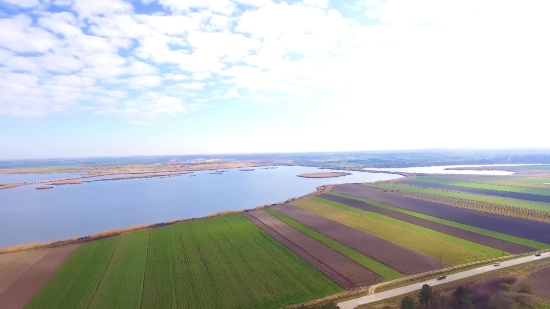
column 350, row 304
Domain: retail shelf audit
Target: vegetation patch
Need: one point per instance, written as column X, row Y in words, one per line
column 379, row 268
column 471, row 197
column 74, row 284
column 506, row 237
column 451, row 250
column 482, row 185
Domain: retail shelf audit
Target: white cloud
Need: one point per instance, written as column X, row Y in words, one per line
column 218, row 6
column 141, row 82
column 254, row 3
column 317, row 3
column 22, row 3
column 149, row 106
column 86, row 8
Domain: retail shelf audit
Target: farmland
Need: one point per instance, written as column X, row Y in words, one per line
column 223, row 262
column 473, row 229
column 343, row 271
column 436, row 226
column 384, row 271
column 394, row 256
column 536, row 231
column 531, row 194
column 488, row 207
column 467, row 196
column 451, row 250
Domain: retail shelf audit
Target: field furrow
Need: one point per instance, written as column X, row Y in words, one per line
column 397, row 257
column 122, row 284
column 451, row 250
column 449, row 230
column 468, row 201
column 536, row 231
column 535, row 195
column 73, row 285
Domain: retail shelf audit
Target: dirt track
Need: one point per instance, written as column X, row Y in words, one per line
column 471, row 236
column 340, row 269
column 14, row 265
column 22, row 290
column 401, row 259
column 507, row 194
column 538, row 231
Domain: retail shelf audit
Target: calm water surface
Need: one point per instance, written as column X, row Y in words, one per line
column 30, row 215
column 442, row 170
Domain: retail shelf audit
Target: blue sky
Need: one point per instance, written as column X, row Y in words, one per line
column 153, row 77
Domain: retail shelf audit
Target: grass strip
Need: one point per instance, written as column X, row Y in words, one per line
column 466, row 196
column 482, row 185
column 451, row 250
column 501, row 236
column 122, row 283
column 377, row 267
column 74, row 283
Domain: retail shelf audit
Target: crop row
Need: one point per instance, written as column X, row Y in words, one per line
column 488, row 207
column 451, row 250
column 223, row 262
column 486, row 186
column 379, row 268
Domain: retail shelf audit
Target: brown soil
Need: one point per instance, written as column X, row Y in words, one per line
column 19, row 293
column 322, row 175
column 401, row 259
column 540, row 283
column 343, row 271
column 14, row 265
column 537, row 231
column 449, row 230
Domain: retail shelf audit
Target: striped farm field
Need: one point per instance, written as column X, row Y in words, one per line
column 466, row 196
column 74, row 284
column 451, row 250
column 486, row 186
column 222, row 262
column 493, row 234
column 379, row 268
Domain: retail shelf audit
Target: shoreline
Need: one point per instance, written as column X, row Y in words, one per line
column 135, row 228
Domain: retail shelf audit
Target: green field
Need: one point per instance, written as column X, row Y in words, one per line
column 74, row 284
column 482, row 185
column 510, row 238
column 222, row 262
column 379, row 268
column 471, row 197
column 452, row 250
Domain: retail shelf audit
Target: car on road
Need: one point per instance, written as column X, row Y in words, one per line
column 441, row 277
column 538, row 254
column 496, row 264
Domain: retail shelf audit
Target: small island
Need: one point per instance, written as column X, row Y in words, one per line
column 246, row 169
column 323, row 175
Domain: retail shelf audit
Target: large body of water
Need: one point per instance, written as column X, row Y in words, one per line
column 442, row 169
column 30, row 215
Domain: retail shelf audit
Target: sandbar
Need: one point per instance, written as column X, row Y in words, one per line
column 323, row 175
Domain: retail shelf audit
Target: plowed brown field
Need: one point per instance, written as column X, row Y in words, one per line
column 20, row 292
column 449, row 230
column 401, row 259
column 14, row 265
column 540, row 282
column 343, row 271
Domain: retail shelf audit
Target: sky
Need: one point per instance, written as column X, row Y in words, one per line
column 82, row 78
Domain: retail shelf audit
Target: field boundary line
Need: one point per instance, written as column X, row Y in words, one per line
column 26, row 271
column 145, row 270
column 102, row 275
